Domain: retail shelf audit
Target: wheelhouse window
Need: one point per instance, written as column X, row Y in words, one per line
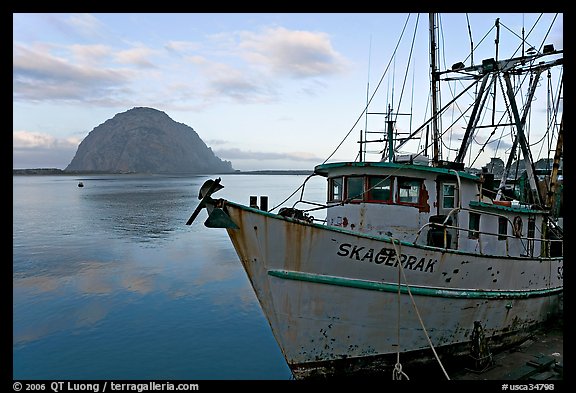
column 448, row 195
column 409, row 190
column 379, row 189
column 376, row 189
column 502, row 228
column 355, row 188
column 474, row 226
column 335, row 189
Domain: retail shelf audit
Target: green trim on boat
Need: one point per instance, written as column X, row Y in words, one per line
column 519, row 209
column 419, row 291
column 323, row 169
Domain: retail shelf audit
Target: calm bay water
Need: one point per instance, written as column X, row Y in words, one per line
column 109, row 282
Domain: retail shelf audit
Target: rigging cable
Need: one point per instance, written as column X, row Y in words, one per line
column 406, row 78
column 407, row 68
column 373, row 94
column 439, row 112
column 291, row 195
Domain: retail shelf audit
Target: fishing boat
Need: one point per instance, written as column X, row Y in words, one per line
column 419, row 261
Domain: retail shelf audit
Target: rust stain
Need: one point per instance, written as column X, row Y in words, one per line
column 424, row 206
column 362, row 222
column 298, row 237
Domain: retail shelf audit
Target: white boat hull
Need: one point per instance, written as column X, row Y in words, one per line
column 332, row 298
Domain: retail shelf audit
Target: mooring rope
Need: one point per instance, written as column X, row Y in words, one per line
column 397, row 373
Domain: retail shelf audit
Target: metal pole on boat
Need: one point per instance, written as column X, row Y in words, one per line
column 519, row 127
column 390, row 123
column 497, row 42
column 434, row 81
column 522, row 138
column 360, row 152
column 474, row 118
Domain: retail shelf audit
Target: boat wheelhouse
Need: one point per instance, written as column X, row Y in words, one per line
column 433, row 206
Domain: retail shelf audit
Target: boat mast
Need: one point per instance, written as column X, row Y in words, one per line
column 497, row 42
column 551, row 197
column 435, row 91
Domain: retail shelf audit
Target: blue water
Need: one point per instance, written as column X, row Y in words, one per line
column 109, row 282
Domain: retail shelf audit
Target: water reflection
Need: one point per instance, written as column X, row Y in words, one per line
column 139, row 210
column 108, row 279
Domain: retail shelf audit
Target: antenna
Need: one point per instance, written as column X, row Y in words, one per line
column 367, row 99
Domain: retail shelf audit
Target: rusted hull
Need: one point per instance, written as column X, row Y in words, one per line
column 341, row 302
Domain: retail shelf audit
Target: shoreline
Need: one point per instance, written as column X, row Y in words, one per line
column 61, row 172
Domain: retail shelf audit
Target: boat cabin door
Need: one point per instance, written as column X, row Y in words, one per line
column 448, row 199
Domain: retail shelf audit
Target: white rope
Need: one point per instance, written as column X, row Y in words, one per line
column 401, row 269
column 397, row 373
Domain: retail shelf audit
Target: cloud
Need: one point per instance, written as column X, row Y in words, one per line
column 39, row 75
column 85, row 23
column 239, row 88
column 268, row 56
column 234, row 153
column 90, row 53
column 225, row 81
column 294, row 53
column 181, row 46
column 198, row 60
column 242, row 67
column 38, row 150
column 314, row 88
column 213, row 142
column 137, row 56
column 32, row 140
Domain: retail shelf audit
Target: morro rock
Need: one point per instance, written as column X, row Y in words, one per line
column 145, row 140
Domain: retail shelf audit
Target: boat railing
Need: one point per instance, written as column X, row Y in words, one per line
column 524, row 240
column 319, row 206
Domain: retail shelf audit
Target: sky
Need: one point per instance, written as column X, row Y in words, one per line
column 262, row 90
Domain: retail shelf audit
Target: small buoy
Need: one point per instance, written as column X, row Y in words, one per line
column 80, row 184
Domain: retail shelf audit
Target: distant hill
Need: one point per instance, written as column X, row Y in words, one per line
column 145, row 140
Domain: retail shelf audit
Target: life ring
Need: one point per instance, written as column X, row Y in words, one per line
column 517, row 228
